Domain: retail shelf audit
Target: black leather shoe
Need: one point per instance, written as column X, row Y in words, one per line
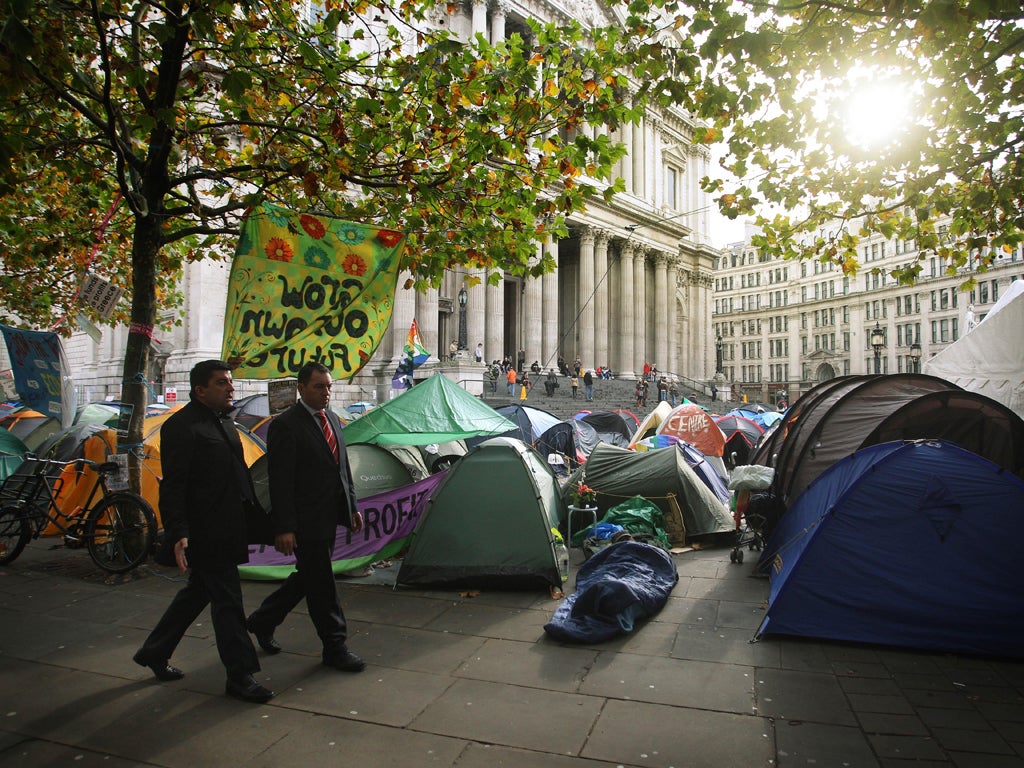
column 346, row 662
column 267, row 642
column 161, row 670
column 248, row 690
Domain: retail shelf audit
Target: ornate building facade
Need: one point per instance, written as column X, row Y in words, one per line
column 786, row 326
column 633, row 281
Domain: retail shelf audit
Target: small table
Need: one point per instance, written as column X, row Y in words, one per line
column 592, row 511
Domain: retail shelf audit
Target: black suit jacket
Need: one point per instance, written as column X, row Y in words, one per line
column 203, row 486
column 310, row 494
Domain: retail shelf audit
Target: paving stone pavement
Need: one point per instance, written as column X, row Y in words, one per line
column 471, row 680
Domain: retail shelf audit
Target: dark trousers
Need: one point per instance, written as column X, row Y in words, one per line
column 220, row 588
column 312, row 579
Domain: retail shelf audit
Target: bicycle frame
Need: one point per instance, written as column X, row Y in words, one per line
column 39, row 492
column 119, row 527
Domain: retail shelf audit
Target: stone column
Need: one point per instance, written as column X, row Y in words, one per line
column 625, row 365
column 401, row 320
column 476, row 312
column 638, row 153
column 549, row 300
column 426, row 321
column 532, row 314
column 657, row 143
column 672, row 364
column 586, row 298
column 479, row 18
column 601, row 308
column 494, row 335
column 702, row 201
column 661, row 310
column 499, row 11
column 650, row 170
column 627, row 161
column 639, row 310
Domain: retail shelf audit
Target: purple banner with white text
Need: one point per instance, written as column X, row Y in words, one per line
column 388, row 522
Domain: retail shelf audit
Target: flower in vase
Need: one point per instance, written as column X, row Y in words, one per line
column 585, row 495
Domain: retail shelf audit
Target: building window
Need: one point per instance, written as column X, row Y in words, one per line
column 670, row 188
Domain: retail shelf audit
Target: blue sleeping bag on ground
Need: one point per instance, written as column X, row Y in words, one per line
column 614, row 588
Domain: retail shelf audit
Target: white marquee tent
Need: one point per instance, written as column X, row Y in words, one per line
column 989, row 359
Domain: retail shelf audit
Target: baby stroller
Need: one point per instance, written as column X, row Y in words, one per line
column 748, row 483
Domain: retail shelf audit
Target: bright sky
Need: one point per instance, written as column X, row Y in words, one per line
column 873, row 107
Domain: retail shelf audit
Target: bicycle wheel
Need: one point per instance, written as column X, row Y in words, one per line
column 15, row 531
column 120, row 531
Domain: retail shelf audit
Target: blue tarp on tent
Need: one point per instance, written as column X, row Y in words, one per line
column 909, row 544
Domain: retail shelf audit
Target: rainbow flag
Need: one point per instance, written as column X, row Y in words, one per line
column 415, row 356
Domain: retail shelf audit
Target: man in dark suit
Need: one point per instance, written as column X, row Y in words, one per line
column 203, row 494
column 311, row 494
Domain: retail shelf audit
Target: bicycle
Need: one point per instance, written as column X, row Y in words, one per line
column 119, row 528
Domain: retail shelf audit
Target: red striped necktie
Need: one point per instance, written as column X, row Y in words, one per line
column 332, row 441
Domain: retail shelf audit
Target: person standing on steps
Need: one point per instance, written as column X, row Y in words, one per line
column 203, row 494
column 311, row 494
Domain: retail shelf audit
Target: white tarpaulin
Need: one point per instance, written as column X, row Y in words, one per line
column 989, row 359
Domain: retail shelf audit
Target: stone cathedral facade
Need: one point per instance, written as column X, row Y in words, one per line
column 633, row 282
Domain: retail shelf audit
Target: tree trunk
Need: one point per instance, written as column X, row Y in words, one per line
column 153, row 185
column 134, row 382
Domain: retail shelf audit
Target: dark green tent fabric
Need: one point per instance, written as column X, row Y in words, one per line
column 618, row 474
column 12, row 453
column 434, row 411
column 488, row 525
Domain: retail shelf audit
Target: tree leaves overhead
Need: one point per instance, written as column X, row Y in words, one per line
column 372, row 111
column 778, row 88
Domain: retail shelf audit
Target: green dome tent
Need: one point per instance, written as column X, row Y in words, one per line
column 488, row 525
column 434, row 411
column 12, row 453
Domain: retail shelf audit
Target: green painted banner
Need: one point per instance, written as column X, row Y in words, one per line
column 306, row 287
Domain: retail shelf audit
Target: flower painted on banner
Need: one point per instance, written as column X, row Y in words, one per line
column 352, row 234
column 278, row 250
column 389, row 238
column 354, row 264
column 313, row 226
column 316, row 257
column 279, row 219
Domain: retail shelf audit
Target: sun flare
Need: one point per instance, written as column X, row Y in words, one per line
column 876, row 112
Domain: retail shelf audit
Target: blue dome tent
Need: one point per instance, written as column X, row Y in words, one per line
column 906, row 544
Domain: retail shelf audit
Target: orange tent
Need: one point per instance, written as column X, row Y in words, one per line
column 75, row 485
column 152, row 468
column 694, row 425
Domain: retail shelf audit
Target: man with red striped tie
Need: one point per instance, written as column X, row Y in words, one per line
column 311, row 494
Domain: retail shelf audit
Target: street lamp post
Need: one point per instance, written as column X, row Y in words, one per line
column 718, row 354
column 463, row 298
column 877, row 343
column 915, row 356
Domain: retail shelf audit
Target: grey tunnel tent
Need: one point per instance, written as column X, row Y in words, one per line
column 618, row 474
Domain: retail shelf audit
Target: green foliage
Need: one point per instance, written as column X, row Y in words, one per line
column 777, row 78
column 192, row 112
